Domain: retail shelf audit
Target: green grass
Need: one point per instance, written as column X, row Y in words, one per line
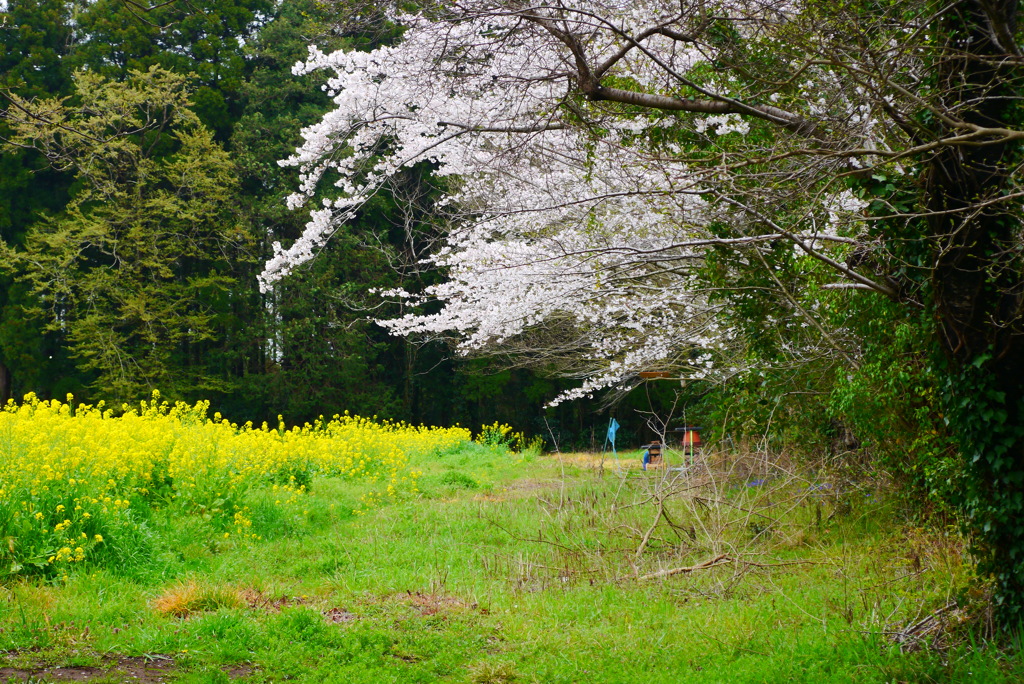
column 522, row 569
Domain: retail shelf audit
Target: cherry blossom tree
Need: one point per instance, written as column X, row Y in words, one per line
column 600, row 158
column 574, row 218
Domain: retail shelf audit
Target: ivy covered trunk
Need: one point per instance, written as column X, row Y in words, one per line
column 978, row 288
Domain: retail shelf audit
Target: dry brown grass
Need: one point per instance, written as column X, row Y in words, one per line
column 190, row 597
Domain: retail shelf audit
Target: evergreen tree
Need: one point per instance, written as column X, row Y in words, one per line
column 135, row 270
column 35, row 36
column 204, row 41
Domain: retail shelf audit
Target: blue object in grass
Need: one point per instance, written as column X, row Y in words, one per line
column 613, row 427
column 646, row 459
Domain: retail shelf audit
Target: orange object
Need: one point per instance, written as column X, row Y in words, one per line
column 689, row 437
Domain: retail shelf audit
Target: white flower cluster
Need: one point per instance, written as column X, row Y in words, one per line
column 723, row 124
column 579, row 228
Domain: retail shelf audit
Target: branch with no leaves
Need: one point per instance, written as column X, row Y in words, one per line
column 910, row 636
column 721, row 559
column 808, row 249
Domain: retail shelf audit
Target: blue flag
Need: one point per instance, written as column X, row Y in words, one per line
column 612, row 427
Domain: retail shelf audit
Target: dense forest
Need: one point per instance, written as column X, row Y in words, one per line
column 131, row 246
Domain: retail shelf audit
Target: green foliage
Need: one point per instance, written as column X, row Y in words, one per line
column 455, row 478
column 308, row 347
column 31, row 65
column 330, row 357
column 202, row 41
column 891, row 402
column 34, row 39
column 505, row 438
column 989, row 427
column 35, row 357
column 129, row 272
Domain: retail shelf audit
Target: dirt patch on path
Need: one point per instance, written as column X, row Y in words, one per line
column 594, row 460
column 151, row 670
column 432, row 604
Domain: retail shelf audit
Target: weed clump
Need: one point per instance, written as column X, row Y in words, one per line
column 493, row 673
column 455, row 478
column 188, row 598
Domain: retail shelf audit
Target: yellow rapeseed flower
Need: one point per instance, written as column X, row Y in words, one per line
column 158, row 453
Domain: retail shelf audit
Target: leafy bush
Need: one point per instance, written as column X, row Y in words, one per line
column 505, row 437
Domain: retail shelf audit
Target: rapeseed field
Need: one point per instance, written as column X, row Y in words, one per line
column 78, row 483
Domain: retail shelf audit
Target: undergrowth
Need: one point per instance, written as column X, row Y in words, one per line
column 517, row 567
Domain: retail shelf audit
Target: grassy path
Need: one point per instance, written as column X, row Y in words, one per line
column 509, row 570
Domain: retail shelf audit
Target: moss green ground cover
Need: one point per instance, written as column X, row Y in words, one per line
column 511, row 568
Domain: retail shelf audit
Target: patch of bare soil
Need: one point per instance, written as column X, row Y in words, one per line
column 239, row 671
column 339, row 616
column 145, row 670
column 513, row 490
column 257, row 600
column 432, row 604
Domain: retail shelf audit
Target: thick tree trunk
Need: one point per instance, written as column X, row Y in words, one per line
column 977, row 274
column 978, row 294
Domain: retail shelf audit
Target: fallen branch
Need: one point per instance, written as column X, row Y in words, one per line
column 780, row 565
column 710, row 563
column 910, row 637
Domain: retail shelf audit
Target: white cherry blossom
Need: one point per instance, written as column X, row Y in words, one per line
column 579, row 225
